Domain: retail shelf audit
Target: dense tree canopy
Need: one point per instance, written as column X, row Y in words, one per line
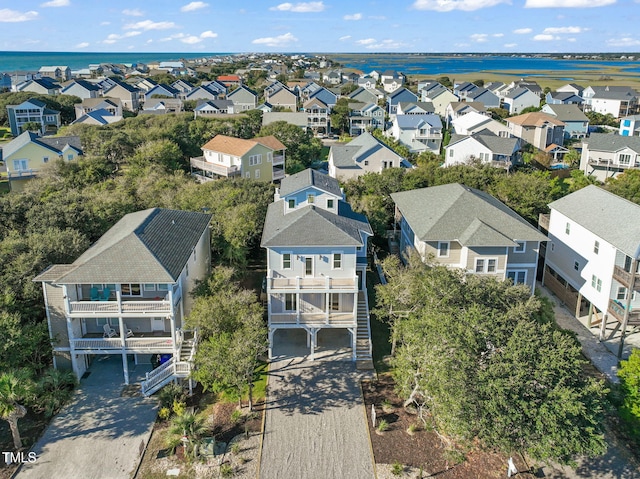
column 480, row 357
column 302, row 148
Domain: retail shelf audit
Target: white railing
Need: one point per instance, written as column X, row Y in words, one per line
column 366, row 304
column 164, row 374
column 137, row 344
column 324, row 282
column 221, row 170
column 320, row 317
column 119, row 307
column 22, row 173
column 278, row 159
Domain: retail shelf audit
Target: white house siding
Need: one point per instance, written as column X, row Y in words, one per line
column 601, row 171
column 564, row 250
column 319, row 199
column 199, row 265
column 322, row 262
column 463, row 151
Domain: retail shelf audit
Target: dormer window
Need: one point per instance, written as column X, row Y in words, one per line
column 292, row 204
column 520, row 248
column 311, row 199
column 330, row 204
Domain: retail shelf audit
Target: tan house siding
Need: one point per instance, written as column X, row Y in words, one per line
column 498, row 253
column 455, row 253
column 57, row 319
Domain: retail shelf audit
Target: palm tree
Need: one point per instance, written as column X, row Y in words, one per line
column 190, row 426
column 14, row 388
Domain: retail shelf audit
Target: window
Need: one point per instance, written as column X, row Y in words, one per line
column 576, row 266
column 520, row 248
column 486, row 265
column 286, row 260
column 269, row 157
column 292, row 204
column 334, row 302
column 186, row 270
column 596, row 247
column 518, row 277
column 70, row 156
column 308, row 266
column 45, row 159
column 567, row 228
column 311, row 199
column 20, row 165
column 366, row 162
column 329, row 204
column 247, row 175
column 162, row 287
column 450, row 153
column 149, row 287
column 337, row 261
column 257, row 174
column 624, row 159
column 622, row 293
column 130, row 289
column 596, row 283
column 255, row 160
column 443, row 249
column 289, row 302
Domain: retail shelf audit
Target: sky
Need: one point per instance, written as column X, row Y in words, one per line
column 328, row 26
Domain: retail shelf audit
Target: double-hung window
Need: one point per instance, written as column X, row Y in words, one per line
column 337, row 261
column 286, row 260
column 486, row 265
column 443, row 249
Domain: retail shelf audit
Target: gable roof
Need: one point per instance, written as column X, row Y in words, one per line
column 567, row 112
column 413, row 122
column 361, row 147
column 608, row 142
column 455, row 212
column 307, row 178
column 519, row 91
column 535, row 118
column 478, row 106
column 239, row 146
column 240, row 89
column 56, row 144
column 312, row 226
column 149, row 246
column 612, row 218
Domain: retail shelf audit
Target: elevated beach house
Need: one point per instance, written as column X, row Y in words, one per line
column 128, row 295
column 461, row 227
column 316, row 262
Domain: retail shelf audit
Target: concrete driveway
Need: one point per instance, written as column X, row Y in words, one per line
column 100, row 434
column 315, row 424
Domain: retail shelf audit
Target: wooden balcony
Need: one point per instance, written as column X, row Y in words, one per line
column 623, row 277
column 22, row 174
column 323, row 283
column 617, row 310
column 220, row 170
column 278, row 160
column 337, row 319
column 109, row 309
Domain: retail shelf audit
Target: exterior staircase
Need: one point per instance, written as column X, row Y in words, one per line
column 172, row 369
column 364, row 352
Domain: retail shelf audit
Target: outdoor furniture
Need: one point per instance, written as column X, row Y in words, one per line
column 95, row 294
column 106, row 293
column 129, row 332
column 109, row 332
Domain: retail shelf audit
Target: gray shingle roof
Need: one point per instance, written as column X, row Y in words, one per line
column 608, row 142
column 455, row 212
column 307, row 178
column 345, row 156
column 567, row 112
column 497, row 144
column 312, row 226
column 150, row 246
column 612, row 218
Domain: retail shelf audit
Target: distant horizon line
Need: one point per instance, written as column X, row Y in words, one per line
column 320, row 53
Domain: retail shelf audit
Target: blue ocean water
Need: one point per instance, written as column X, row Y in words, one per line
column 12, row 61
column 447, row 65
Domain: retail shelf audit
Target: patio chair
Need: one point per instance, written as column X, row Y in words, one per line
column 129, row 332
column 109, row 332
column 95, row 294
column 106, row 293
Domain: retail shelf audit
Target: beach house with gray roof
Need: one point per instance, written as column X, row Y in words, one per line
column 316, row 263
column 592, row 266
column 576, row 123
column 418, row 132
column 364, row 154
column 606, row 156
column 465, row 228
column 128, row 294
column 484, row 147
column 33, row 111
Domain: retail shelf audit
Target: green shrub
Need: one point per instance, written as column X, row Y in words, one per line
column 169, row 394
column 53, row 389
column 226, row 470
column 629, row 374
column 164, row 413
column 236, row 416
column 397, row 468
column 235, row 448
column 178, row 407
column 383, row 425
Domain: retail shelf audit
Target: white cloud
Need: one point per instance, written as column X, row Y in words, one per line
column 510, row 45
column 355, row 16
column 303, row 7
column 567, row 3
column 572, row 39
column 623, row 42
column 522, row 31
column 190, row 7
column 56, row 3
column 479, row 37
column 114, row 37
column 12, row 16
column 387, row 45
column 279, row 41
column 208, row 34
column 557, row 30
column 346, row 37
column 149, row 25
column 133, row 12
column 449, row 5
column 191, row 40
column 498, row 35
column 175, row 36
column 545, row 37
column 82, row 45
column 366, row 41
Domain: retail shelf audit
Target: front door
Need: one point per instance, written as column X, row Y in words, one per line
column 157, row 324
column 308, row 266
